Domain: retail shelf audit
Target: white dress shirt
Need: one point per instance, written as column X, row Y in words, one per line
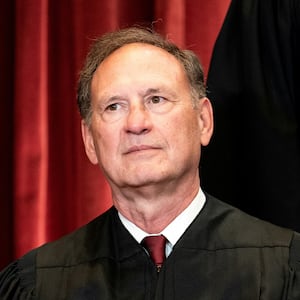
column 175, row 229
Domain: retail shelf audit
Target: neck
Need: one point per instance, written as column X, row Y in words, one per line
column 153, row 208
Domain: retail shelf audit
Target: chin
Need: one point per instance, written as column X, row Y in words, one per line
column 142, row 180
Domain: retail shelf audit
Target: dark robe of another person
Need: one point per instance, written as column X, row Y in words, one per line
column 253, row 161
column 224, row 254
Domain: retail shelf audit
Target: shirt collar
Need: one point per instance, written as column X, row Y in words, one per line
column 176, row 228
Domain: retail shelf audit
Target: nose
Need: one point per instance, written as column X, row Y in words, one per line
column 138, row 119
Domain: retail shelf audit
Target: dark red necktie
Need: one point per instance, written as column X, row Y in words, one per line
column 156, row 247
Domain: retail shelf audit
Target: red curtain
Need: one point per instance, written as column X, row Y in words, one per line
column 47, row 185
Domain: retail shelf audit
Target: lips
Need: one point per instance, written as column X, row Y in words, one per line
column 137, row 148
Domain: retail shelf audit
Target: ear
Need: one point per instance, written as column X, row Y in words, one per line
column 88, row 141
column 206, row 120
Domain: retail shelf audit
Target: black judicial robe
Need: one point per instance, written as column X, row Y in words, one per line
column 224, row 254
column 253, row 83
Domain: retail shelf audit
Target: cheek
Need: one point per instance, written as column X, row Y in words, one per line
column 186, row 124
column 107, row 144
column 190, row 133
column 182, row 132
column 104, row 146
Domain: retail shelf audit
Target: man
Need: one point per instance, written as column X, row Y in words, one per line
column 145, row 118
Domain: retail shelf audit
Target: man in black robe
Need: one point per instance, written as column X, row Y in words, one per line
column 145, row 117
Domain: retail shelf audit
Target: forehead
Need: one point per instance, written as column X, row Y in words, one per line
column 140, row 54
column 138, row 63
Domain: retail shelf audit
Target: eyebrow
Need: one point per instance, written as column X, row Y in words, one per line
column 159, row 90
column 149, row 91
column 104, row 99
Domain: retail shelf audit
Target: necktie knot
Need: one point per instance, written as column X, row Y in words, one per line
column 155, row 245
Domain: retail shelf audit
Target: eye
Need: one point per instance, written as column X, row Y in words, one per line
column 157, row 99
column 113, row 111
column 113, row 107
column 159, row 104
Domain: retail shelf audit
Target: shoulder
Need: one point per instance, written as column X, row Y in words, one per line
column 294, row 263
column 236, row 228
column 295, row 253
column 18, row 280
column 82, row 245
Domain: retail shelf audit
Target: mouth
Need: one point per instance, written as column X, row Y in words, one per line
column 138, row 148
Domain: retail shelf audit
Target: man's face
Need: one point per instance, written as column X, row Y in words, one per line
column 144, row 127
